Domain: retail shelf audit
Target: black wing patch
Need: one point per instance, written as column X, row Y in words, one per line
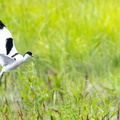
column 9, row 45
column 14, row 54
column 1, row 25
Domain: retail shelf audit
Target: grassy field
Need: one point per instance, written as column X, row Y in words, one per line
column 77, row 73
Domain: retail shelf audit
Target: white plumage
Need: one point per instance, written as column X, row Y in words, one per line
column 9, row 57
column 4, row 34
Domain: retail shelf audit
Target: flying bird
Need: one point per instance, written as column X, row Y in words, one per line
column 9, row 57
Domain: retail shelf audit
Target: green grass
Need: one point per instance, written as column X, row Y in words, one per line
column 77, row 75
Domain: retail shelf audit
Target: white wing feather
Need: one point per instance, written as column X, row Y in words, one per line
column 5, row 60
column 4, row 34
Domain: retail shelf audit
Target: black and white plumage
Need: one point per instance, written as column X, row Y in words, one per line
column 9, row 56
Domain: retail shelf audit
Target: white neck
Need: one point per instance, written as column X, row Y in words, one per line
column 25, row 57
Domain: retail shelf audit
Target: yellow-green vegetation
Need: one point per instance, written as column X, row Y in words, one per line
column 77, row 73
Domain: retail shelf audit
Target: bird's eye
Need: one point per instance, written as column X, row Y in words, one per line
column 14, row 58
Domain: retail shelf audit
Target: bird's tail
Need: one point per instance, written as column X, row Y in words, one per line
column 1, row 75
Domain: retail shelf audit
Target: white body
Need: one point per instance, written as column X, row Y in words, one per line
column 13, row 65
column 10, row 64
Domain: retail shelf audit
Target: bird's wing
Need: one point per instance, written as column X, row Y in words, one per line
column 5, row 60
column 7, row 46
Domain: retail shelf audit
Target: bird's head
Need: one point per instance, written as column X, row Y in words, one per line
column 28, row 54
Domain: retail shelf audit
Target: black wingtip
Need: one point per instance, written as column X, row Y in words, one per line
column 1, row 25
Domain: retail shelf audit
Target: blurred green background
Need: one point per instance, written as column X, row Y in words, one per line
column 77, row 73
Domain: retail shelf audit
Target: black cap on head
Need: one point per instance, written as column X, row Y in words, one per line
column 29, row 53
column 1, row 25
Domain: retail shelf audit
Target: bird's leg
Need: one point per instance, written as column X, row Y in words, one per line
column 1, row 75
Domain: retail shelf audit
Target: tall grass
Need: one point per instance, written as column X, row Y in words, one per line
column 78, row 71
